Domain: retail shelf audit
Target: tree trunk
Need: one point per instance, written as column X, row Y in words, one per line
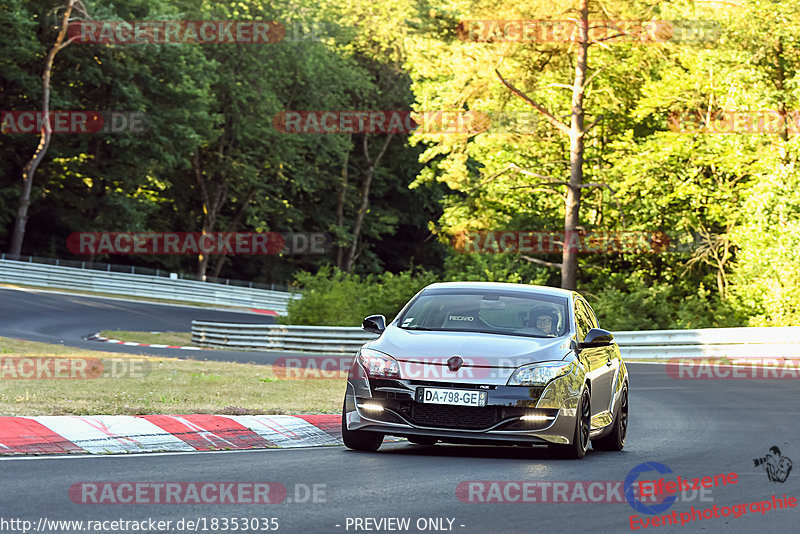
column 232, row 228
column 29, row 170
column 211, row 207
column 780, row 84
column 569, row 256
column 340, row 207
column 365, row 186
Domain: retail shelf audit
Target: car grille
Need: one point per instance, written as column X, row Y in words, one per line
column 444, row 416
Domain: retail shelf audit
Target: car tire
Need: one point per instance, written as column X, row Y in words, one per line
column 359, row 440
column 422, row 440
column 615, row 441
column 580, row 439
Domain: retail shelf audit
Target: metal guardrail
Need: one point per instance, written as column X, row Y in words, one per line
column 744, row 342
column 318, row 339
column 138, row 269
column 704, row 343
column 140, row 285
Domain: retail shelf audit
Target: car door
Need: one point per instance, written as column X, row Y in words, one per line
column 601, row 368
column 613, row 363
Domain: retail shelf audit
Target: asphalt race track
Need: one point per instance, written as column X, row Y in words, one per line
column 697, row 428
column 63, row 319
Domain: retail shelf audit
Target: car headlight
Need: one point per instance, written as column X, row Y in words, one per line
column 378, row 364
column 539, row 374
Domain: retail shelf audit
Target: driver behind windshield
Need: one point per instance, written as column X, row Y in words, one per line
column 545, row 321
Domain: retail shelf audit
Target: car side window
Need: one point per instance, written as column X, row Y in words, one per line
column 581, row 321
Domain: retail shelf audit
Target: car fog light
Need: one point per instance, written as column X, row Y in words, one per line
column 536, row 418
column 372, row 407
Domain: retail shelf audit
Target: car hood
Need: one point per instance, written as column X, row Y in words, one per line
column 487, row 358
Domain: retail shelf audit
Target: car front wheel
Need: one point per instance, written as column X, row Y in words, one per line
column 615, row 441
column 580, row 439
column 359, row 440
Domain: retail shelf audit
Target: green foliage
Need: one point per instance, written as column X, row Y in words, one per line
column 212, row 155
column 496, row 268
column 766, row 279
column 332, row 298
column 642, row 306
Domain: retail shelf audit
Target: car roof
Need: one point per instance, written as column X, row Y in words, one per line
column 538, row 290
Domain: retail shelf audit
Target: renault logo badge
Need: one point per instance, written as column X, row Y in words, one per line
column 455, row 363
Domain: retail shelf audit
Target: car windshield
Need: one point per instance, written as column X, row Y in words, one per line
column 488, row 311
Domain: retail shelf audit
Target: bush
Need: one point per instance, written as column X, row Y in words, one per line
column 623, row 302
column 660, row 306
column 333, row 298
column 766, row 277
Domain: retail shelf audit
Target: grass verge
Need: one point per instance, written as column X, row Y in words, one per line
column 155, row 385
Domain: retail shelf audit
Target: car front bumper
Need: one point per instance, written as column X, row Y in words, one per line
column 553, row 411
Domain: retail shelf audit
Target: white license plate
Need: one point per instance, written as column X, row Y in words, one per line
column 454, row 397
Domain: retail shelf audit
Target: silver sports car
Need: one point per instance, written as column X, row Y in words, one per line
column 475, row 362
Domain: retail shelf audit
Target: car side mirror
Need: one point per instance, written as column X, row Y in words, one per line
column 597, row 337
column 375, row 324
